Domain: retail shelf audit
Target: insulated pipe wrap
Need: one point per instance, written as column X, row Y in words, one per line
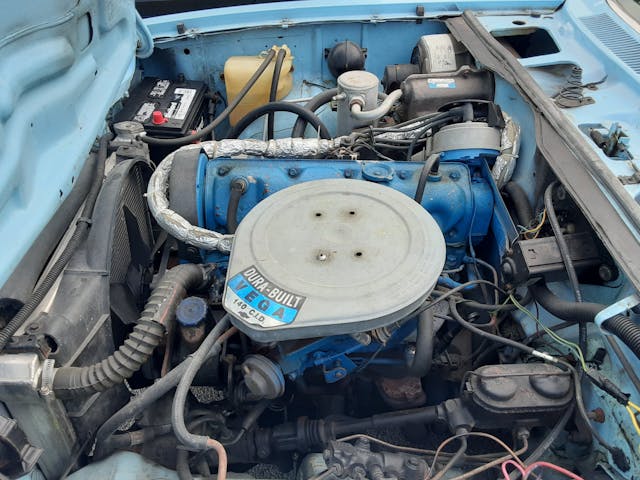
column 138, row 347
column 179, row 227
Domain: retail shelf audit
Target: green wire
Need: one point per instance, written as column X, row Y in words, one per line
column 570, row 345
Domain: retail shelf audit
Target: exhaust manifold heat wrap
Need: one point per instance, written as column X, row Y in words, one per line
column 181, row 229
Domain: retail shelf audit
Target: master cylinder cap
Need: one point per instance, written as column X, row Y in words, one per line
column 331, row 257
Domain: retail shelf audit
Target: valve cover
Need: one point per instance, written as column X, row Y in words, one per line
column 331, row 257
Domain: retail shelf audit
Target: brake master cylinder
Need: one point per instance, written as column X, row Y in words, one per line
column 330, row 257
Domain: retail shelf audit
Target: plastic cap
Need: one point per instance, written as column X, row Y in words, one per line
column 158, row 118
column 191, row 311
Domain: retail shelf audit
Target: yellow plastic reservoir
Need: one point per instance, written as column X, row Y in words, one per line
column 238, row 70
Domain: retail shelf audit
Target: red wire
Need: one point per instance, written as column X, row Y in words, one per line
column 526, row 472
column 551, row 466
column 514, row 464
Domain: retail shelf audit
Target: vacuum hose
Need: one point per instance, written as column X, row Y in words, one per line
column 423, row 358
column 521, row 204
column 272, row 107
column 146, row 336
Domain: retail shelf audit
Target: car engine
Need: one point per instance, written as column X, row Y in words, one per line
column 347, row 296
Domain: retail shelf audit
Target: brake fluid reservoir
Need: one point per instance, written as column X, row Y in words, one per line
column 238, row 70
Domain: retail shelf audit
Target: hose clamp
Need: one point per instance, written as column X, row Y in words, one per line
column 46, row 378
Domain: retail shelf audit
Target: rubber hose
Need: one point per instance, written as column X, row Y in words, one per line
column 617, row 454
column 78, row 236
column 139, row 437
column 378, row 112
column 312, row 105
column 200, row 134
column 626, row 330
column 622, row 327
column 273, row 93
column 138, row 347
column 182, row 465
column 142, row 401
column 249, row 421
column 564, row 309
column 423, row 357
column 429, row 167
column 489, row 336
column 189, row 440
column 521, row 204
column 237, row 190
column 255, row 114
column 565, row 254
column 186, row 438
column 423, row 415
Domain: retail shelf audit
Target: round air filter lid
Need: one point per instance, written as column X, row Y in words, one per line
column 331, row 257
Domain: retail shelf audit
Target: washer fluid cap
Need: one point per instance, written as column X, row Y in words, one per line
column 331, row 257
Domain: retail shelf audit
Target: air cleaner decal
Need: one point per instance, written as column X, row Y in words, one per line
column 253, row 298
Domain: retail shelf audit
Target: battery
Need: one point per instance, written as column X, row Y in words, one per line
column 166, row 108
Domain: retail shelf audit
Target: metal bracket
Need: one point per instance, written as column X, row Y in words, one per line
column 620, row 306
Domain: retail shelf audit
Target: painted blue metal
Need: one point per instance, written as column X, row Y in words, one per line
column 288, row 14
column 460, row 201
column 340, row 355
column 145, row 40
column 62, row 66
column 619, row 308
column 585, row 33
column 124, row 466
column 588, row 34
column 203, row 57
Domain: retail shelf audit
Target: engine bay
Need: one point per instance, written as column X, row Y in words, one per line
column 321, row 263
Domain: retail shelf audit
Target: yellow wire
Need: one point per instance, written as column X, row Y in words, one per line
column 572, row 346
column 630, row 407
column 634, row 419
column 538, row 227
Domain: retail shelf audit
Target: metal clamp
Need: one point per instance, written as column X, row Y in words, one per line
column 48, row 373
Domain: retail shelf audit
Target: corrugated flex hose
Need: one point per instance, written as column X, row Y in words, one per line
column 626, row 330
column 138, row 347
column 622, row 327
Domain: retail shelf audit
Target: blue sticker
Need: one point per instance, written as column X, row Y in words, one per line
column 441, row 83
column 252, row 297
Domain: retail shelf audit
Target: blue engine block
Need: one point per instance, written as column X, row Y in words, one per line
column 460, row 199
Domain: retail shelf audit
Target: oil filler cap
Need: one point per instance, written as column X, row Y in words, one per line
column 331, row 257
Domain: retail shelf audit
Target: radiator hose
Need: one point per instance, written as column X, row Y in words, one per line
column 622, row 327
column 138, row 347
